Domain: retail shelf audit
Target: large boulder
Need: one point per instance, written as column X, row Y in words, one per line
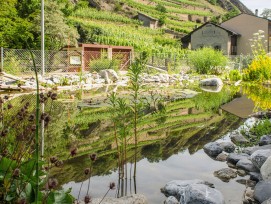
column 267, row 201
column 225, row 174
column 238, row 138
column 200, row 193
column 211, row 82
column 259, row 157
column 251, row 150
column 235, row 157
column 262, row 191
column 228, row 147
column 176, row 187
column 213, row 149
column 266, row 169
column 255, row 176
column 246, row 165
column 265, row 140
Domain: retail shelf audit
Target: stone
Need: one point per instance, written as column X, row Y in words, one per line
column 212, row 149
column 262, row 191
column 248, row 196
column 267, row 201
column 245, row 182
column 238, row 138
column 200, row 193
column 241, row 172
column 255, row 176
column 221, row 157
column 265, row 140
column 259, row 157
column 246, row 165
column 251, row 150
column 105, row 76
column 225, row 174
column 134, row 199
column 213, row 89
column 266, row 170
column 171, row 200
column 228, row 147
column 231, row 165
column 235, row 157
column 112, row 75
column 176, row 188
column 211, row 82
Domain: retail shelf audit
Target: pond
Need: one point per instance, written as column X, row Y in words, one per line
column 170, row 140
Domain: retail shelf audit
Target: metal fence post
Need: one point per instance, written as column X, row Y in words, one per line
column 2, row 59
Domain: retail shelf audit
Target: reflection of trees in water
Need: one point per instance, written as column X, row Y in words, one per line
column 259, row 94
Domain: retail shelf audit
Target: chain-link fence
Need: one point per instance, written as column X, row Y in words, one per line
column 19, row 62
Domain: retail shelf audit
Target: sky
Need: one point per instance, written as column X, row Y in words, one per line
column 257, row 4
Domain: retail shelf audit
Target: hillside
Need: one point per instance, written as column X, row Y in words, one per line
column 109, row 22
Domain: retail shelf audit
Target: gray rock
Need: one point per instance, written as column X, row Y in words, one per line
column 212, row 149
column 133, row 199
column 246, row 165
column 267, row 201
column 105, row 76
column 213, row 89
column 112, row 75
column 228, row 147
column 225, row 174
column 211, row 82
column 265, row 140
column 266, row 170
column 248, row 196
column 235, row 157
column 251, row 150
column 259, row 157
column 202, row 194
column 241, row 172
column 245, row 182
column 176, row 188
column 255, row 176
column 171, row 200
column 221, row 157
column 238, row 138
column 262, row 191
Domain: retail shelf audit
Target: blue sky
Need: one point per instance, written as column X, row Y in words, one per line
column 257, row 4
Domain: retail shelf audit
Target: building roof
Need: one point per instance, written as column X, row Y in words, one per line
column 143, row 14
column 188, row 37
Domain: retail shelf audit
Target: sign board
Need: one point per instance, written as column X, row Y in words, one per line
column 75, row 60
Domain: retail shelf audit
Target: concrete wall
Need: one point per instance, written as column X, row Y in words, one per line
column 147, row 22
column 210, row 35
column 246, row 25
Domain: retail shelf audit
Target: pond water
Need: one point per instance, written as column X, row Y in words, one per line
column 170, row 142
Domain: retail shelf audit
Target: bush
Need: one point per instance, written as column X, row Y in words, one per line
column 235, row 75
column 101, row 64
column 259, row 69
column 161, row 8
column 207, row 61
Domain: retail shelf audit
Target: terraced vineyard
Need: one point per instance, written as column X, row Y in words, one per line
column 120, row 26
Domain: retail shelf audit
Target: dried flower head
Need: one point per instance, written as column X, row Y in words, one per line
column 112, row 185
column 43, row 116
column 52, row 183
column 4, row 133
column 31, row 118
column 93, row 157
column 53, row 159
column 73, row 151
column 10, row 106
column 53, row 96
column 16, row 173
column 6, row 97
column 87, row 171
column 1, row 100
column 49, row 94
column 87, row 199
column 58, row 163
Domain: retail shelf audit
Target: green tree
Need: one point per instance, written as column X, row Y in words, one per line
column 266, row 13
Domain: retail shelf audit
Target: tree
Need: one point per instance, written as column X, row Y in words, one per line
column 266, row 13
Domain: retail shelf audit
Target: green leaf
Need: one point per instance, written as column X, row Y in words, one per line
column 60, row 197
column 6, row 164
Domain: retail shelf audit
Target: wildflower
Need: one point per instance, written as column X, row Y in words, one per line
column 53, row 96
column 16, row 173
column 112, row 185
column 52, row 183
column 87, row 199
column 53, row 159
column 93, row 157
column 87, row 171
column 73, row 151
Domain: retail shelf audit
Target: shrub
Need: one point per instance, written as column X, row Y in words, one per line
column 235, row 75
column 161, row 8
column 101, row 64
column 259, row 69
column 207, row 61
